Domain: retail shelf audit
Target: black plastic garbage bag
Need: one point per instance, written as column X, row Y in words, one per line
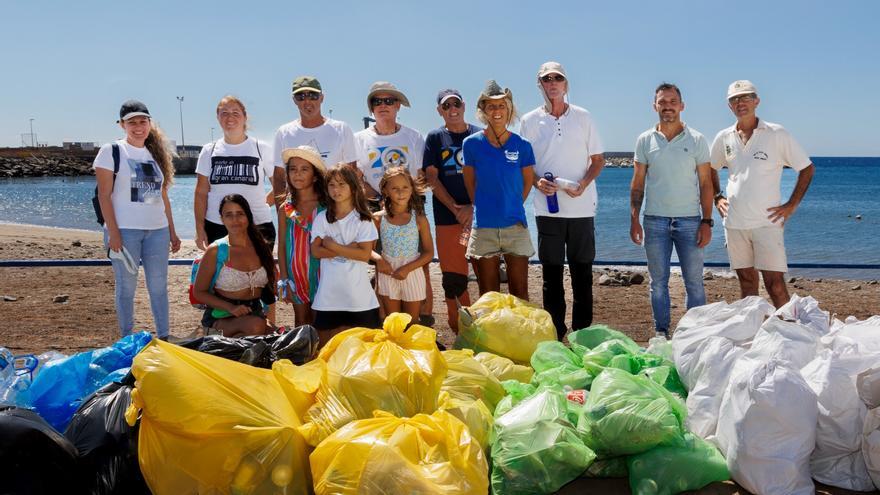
column 299, row 345
column 34, row 458
column 108, row 459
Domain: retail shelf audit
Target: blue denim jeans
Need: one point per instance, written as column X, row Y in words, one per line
column 150, row 247
column 661, row 234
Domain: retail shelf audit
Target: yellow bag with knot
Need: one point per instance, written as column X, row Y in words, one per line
column 473, row 413
column 209, row 425
column 505, row 369
column 425, row 454
column 504, row 325
column 368, row 370
column 468, row 379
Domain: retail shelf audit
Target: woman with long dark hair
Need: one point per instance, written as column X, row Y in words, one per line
column 236, row 276
column 133, row 177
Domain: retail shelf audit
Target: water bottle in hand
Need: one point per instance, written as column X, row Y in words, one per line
column 552, row 200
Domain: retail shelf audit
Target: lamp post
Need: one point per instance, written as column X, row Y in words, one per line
column 32, row 133
column 212, row 134
column 182, row 140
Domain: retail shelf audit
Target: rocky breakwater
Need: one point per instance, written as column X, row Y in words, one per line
column 44, row 165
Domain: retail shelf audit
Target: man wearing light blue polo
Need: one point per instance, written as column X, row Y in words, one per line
column 672, row 175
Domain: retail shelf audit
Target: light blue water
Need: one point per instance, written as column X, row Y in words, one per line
column 823, row 230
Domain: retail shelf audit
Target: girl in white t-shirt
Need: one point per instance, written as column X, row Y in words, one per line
column 138, row 227
column 342, row 238
column 234, row 164
column 407, row 245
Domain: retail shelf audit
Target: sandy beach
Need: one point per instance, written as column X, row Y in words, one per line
column 32, row 322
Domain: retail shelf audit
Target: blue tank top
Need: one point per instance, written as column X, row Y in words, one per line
column 399, row 241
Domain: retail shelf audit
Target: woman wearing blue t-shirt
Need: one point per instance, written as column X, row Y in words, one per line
column 498, row 174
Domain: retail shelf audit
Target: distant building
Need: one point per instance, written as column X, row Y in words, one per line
column 79, row 145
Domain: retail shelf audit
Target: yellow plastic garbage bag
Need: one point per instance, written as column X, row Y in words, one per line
column 505, row 325
column 473, row 413
column 209, row 425
column 468, row 379
column 505, row 369
column 425, row 454
column 368, row 370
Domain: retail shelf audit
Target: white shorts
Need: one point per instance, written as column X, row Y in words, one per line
column 762, row 248
column 410, row 289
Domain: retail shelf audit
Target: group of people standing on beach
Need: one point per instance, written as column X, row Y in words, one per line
column 346, row 200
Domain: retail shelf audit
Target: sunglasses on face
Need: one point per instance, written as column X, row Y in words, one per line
column 383, row 101
column 553, row 77
column 742, row 98
column 447, row 104
column 307, row 95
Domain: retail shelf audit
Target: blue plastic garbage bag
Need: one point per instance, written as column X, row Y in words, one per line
column 60, row 386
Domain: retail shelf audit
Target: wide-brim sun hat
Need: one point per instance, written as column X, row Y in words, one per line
column 493, row 91
column 385, row 87
column 307, row 153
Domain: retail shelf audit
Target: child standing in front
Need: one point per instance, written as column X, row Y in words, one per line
column 407, row 245
column 342, row 238
column 306, row 198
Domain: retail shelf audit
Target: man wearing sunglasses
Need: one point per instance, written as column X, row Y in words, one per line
column 386, row 143
column 333, row 139
column 567, row 145
column 453, row 211
column 755, row 152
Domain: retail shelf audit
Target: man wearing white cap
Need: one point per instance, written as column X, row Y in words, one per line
column 386, row 143
column 333, row 139
column 755, row 152
column 567, row 145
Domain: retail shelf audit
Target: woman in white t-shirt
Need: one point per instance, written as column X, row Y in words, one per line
column 234, row 164
column 138, row 227
column 343, row 237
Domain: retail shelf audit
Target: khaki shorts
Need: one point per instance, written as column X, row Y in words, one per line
column 489, row 242
column 762, row 248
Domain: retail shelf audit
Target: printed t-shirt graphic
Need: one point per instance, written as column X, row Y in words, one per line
column 146, row 181
column 235, row 170
column 385, row 157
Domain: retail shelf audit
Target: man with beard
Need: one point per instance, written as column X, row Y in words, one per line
column 673, row 175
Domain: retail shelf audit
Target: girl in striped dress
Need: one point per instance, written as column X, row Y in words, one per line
column 306, row 197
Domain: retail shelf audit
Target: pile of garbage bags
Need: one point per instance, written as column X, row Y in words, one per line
column 789, row 396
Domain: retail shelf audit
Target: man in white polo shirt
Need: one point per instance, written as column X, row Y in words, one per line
column 333, row 139
column 566, row 144
column 755, row 152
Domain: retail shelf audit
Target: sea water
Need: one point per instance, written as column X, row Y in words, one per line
column 825, row 228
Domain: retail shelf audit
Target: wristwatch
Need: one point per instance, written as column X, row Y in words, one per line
column 719, row 196
column 709, row 221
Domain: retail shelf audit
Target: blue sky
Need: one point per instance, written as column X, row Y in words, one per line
column 69, row 65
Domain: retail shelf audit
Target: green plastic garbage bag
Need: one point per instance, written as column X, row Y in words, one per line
column 592, row 336
column 599, row 357
column 553, row 354
column 666, row 470
column 505, row 325
column 516, row 392
column 536, row 450
column 563, row 376
column 629, row 414
column 667, row 376
column 610, row 467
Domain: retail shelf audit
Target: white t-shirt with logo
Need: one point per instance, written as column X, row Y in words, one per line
column 376, row 154
column 755, row 171
column 563, row 147
column 137, row 192
column 237, row 169
column 333, row 140
column 344, row 284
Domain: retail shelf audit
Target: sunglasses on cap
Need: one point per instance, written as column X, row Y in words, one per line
column 553, row 77
column 447, row 104
column 307, row 95
column 375, row 102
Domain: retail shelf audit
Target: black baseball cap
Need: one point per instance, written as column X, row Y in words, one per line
column 446, row 94
column 133, row 108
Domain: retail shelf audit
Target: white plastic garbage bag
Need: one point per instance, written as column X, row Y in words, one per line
column 788, row 341
column 738, row 322
column 806, row 311
column 868, row 385
column 865, row 333
column 871, row 444
column 767, row 429
column 837, row 459
column 716, row 358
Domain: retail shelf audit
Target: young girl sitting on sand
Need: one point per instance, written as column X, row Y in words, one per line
column 306, row 198
column 239, row 294
column 342, row 238
column 407, row 245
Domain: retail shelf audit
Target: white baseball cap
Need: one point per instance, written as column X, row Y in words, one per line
column 741, row 87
